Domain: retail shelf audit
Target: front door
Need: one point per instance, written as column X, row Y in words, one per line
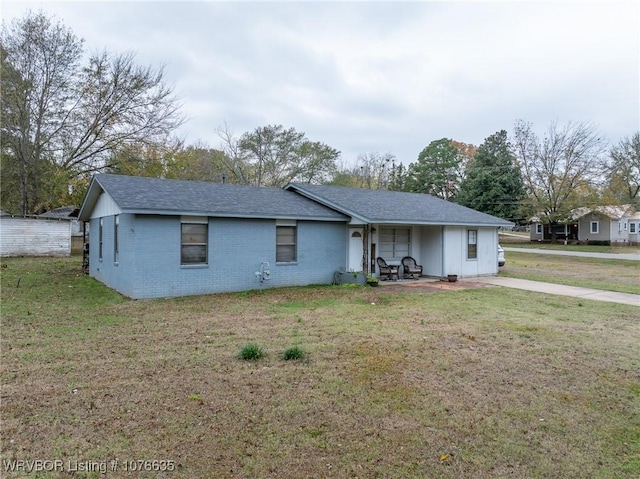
column 355, row 249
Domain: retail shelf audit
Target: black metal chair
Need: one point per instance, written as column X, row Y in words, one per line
column 411, row 268
column 387, row 271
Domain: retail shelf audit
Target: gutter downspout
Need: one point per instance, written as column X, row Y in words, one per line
column 444, row 250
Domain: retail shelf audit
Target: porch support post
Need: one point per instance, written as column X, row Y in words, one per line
column 365, row 249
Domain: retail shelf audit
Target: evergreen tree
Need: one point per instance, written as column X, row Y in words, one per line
column 493, row 183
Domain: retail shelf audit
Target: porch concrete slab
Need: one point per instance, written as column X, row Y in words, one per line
column 562, row 290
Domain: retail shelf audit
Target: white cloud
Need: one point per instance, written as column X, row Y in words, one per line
column 378, row 76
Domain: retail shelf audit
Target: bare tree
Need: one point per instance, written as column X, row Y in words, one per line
column 557, row 167
column 234, row 160
column 623, row 173
column 68, row 118
column 116, row 102
column 374, row 170
column 38, row 58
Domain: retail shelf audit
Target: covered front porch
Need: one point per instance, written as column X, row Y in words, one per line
column 441, row 250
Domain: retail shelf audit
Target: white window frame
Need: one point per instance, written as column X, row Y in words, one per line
column 290, row 255
column 116, row 246
column 632, row 228
column 591, row 227
column 392, row 248
column 539, row 228
column 193, row 221
column 472, row 244
column 100, row 238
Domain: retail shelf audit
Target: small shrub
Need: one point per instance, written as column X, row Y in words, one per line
column 293, row 353
column 251, row 352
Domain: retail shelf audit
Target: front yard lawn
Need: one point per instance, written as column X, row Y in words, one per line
column 481, row 382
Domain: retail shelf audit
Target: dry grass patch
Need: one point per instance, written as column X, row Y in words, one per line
column 473, row 383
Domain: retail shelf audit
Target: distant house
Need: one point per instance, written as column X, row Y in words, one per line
column 634, row 229
column 540, row 231
column 69, row 213
column 159, row 238
column 602, row 224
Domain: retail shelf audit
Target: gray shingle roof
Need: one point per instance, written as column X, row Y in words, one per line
column 61, row 212
column 297, row 201
column 383, row 206
column 160, row 196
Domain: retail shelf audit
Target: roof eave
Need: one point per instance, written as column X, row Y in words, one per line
column 90, row 199
column 217, row 214
column 506, row 224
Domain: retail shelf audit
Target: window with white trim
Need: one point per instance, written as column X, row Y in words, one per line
column 472, row 244
column 539, row 229
column 194, row 241
column 116, row 253
column 395, row 243
column 286, row 241
column 594, row 227
column 100, row 238
column 632, row 227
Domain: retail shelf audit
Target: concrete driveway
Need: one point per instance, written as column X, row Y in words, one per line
column 562, row 290
column 627, row 256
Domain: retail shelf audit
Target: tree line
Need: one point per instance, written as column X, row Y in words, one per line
column 66, row 115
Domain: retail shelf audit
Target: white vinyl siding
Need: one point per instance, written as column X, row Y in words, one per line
column 34, row 237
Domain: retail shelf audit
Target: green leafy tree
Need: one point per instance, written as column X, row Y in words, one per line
column 66, row 115
column 493, row 183
column 399, row 178
column 199, row 163
column 173, row 160
column 141, row 160
column 437, row 171
column 317, row 162
column 274, row 156
column 344, row 178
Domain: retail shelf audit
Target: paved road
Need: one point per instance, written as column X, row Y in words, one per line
column 562, row 290
column 627, row 256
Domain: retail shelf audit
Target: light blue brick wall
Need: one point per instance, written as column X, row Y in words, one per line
column 118, row 275
column 149, row 265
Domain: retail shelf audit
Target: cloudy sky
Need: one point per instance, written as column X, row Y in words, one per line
column 387, row 77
